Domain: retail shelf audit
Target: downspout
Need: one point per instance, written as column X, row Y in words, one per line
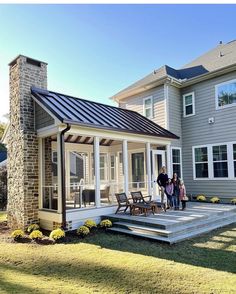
column 63, row 175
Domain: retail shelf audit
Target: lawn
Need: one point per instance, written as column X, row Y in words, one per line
column 109, row 263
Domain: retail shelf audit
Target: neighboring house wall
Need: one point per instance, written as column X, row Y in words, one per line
column 42, row 118
column 135, row 103
column 197, row 131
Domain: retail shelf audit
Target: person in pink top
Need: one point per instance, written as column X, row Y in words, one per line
column 182, row 194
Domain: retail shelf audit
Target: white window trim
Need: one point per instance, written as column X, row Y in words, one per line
column 171, row 160
column 210, row 161
column 152, row 112
column 216, row 95
column 193, row 104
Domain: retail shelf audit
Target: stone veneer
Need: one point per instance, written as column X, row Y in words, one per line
column 23, row 175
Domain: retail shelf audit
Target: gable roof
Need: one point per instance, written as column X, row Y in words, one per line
column 219, row 57
column 82, row 112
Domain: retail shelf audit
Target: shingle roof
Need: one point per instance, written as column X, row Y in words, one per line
column 219, row 57
column 78, row 111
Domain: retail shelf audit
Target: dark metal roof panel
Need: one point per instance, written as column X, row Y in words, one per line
column 78, row 111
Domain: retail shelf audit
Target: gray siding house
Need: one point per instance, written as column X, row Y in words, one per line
column 197, row 103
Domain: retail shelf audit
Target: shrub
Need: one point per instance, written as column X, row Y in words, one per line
column 17, row 234
column 57, row 234
column 201, row 198
column 233, row 201
column 83, row 231
column 215, row 200
column 32, row 228
column 106, row 223
column 36, row 235
column 90, row 224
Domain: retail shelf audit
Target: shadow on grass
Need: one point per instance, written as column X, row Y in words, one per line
column 201, row 251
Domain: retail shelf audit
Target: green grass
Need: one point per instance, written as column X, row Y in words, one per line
column 109, row 263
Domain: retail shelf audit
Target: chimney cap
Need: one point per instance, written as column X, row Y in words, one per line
column 221, row 42
column 20, row 55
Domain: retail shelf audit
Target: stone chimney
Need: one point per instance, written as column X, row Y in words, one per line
column 22, row 166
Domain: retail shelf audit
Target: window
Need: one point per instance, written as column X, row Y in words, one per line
column 112, row 166
column 189, row 104
column 234, row 154
column 201, row 162
column 103, row 166
column 226, row 94
column 54, row 163
column 138, row 170
column 220, row 163
column 176, row 161
column 148, row 107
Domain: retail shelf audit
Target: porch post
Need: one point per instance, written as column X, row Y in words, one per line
column 59, row 176
column 96, row 155
column 41, row 165
column 168, row 160
column 125, row 167
column 148, row 165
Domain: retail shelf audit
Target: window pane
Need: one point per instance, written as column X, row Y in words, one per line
column 112, row 174
column 138, row 169
column 102, row 161
column 234, row 150
column 201, row 154
column 219, row 152
column 227, row 94
column 188, row 100
column 175, row 155
column 235, row 169
column 220, row 169
column 102, row 174
column 177, row 169
column 189, row 110
column 112, row 160
column 148, row 102
column 201, row 170
column 148, row 112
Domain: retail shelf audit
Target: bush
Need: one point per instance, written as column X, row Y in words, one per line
column 57, row 234
column 83, row 231
column 233, row 201
column 215, row 200
column 106, row 223
column 17, row 234
column 3, row 187
column 32, row 228
column 90, row 224
column 201, row 198
column 36, row 235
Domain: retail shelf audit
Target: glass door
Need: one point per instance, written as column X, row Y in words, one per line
column 158, row 160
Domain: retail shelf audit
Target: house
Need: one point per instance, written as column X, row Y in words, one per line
column 67, row 157
column 197, row 103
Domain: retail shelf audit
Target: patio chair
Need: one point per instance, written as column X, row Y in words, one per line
column 143, row 205
column 123, row 202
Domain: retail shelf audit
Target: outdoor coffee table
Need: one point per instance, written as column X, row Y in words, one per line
column 143, row 207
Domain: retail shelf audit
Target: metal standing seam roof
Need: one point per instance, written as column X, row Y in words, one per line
column 82, row 112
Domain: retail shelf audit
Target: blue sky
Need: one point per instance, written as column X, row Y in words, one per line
column 93, row 51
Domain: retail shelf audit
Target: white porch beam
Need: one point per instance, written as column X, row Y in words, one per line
column 59, row 185
column 126, row 167
column 96, row 155
column 168, row 160
column 148, row 165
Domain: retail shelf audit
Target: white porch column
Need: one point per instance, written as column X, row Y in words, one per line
column 96, row 155
column 168, row 160
column 41, row 168
column 126, row 167
column 148, row 165
column 59, row 185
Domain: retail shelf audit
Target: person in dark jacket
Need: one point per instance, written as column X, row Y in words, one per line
column 175, row 197
column 161, row 181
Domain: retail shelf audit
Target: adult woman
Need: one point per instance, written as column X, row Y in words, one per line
column 161, row 181
column 175, row 197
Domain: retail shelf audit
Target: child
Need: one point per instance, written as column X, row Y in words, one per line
column 182, row 194
column 169, row 192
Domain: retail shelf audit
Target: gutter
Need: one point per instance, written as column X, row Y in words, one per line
column 63, row 176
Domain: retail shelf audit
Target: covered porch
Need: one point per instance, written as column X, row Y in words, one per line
column 82, row 166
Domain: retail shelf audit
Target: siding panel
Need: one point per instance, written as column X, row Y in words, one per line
column 42, row 118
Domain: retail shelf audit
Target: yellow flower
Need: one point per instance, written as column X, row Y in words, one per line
column 83, row 231
column 215, row 200
column 106, row 223
column 90, row 224
column 36, row 235
column 201, row 198
column 17, row 234
column 57, row 234
column 233, row 201
column 32, row 228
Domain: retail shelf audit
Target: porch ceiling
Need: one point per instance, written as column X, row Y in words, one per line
column 75, row 139
column 77, row 111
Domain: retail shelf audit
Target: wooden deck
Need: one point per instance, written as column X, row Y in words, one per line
column 175, row 226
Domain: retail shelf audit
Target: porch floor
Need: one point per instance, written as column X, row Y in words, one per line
column 175, row 226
